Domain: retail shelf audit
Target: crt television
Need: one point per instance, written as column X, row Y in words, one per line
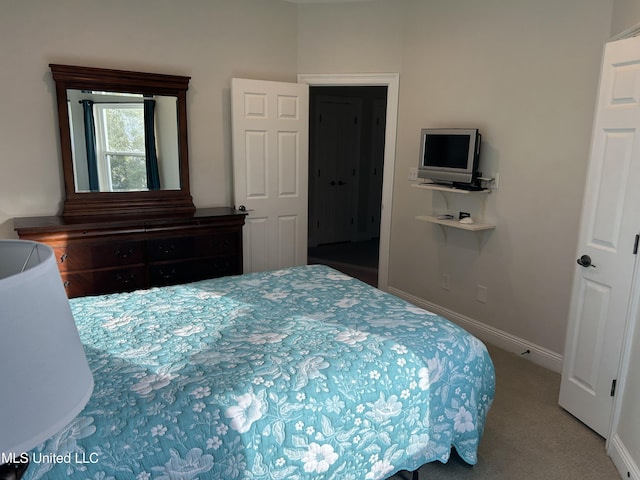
column 450, row 156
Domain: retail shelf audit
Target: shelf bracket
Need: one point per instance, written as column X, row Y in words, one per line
column 444, row 229
column 445, row 197
column 480, row 237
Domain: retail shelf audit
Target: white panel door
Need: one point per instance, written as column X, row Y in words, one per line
column 270, row 123
column 610, row 221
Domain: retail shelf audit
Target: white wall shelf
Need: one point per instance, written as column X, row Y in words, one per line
column 475, row 204
column 444, row 188
column 473, row 227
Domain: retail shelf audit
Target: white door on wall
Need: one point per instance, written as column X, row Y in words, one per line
column 270, row 123
column 602, row 285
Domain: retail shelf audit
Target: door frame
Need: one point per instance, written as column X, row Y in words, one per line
column 392, row 82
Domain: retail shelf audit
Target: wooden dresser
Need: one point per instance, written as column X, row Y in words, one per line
column 104, row 254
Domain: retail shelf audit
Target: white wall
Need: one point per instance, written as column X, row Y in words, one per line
column 210, row 41
column 626, row 14
column 526, row 74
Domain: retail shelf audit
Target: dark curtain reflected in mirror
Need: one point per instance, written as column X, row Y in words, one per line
column 90, row 144
column 153, row 174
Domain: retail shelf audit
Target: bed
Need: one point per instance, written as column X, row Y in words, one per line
column 301, row 373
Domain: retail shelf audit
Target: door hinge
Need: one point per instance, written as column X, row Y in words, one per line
column 613, row 387
column 635, row 245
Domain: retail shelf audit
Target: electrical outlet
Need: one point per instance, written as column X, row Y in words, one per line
column 446, row 282
column 495, row 183
column 481, row 294
column 413, row 173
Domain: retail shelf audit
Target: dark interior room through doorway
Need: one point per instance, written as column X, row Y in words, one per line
column 346, row 159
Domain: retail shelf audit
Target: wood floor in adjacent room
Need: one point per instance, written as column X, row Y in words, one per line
column 357, row 259
column 527, row 435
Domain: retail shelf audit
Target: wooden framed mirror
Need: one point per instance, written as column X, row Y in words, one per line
column 123, row 139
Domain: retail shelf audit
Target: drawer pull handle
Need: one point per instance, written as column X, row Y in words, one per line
column 167, row 274
column 124, row 254
column 125, row 279
column 63, row 257
column 166, row 250
column 66, row 283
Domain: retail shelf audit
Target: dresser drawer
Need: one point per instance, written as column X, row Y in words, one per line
column 94, row 282
column 171, row 273
column 220, row 244
column 170, row 248
column 84, row 256
column 193, row 246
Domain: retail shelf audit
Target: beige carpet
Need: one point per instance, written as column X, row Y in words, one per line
column 528, row 436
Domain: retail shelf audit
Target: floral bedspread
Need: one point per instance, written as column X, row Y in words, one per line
column 302, row 373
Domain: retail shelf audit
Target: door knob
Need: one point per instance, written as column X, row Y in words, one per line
column 585, row 261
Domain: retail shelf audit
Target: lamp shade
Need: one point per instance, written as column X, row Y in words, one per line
column 45, row 380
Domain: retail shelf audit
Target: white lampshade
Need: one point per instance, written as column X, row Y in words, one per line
column 45, row 379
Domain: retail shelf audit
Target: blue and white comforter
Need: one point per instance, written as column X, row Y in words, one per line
column 302, row 373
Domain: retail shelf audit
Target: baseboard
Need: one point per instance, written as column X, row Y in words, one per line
column 486, row 333
column 622, row 459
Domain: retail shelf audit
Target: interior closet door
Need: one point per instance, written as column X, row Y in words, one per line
column 606, row 256
column 335, row 163
column 270, row 130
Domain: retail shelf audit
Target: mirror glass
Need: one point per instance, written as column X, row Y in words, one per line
column 123, row 142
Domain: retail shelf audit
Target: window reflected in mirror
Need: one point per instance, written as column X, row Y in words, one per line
column 123, row 142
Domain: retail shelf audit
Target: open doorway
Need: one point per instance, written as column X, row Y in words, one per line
column 392, row 82
column 347, row 127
